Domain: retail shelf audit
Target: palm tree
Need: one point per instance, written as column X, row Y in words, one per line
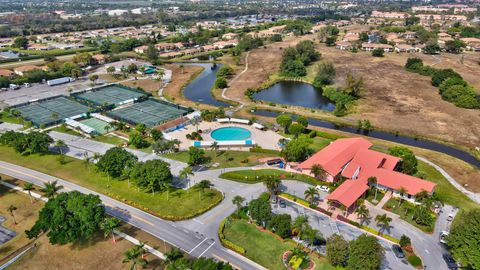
column 238, row 200
column 134, row 256
column 422, row 196
column 204, row 184
column 185, row 172
column 383, row 221
column 29, row 187
column 318, row 171
column 272, row 184
column 372, row 182
column 214, row 147
column 363, row 213
column 310, row 194
column 96, row 156
column 299, row 224
column 12, row 209
column 402, row 191
column 51, row 189
column 172, row 256
column 108, row 225
column 60, row 144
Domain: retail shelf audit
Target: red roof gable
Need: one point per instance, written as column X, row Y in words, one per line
column 396, row 180
column 348, row 192
column 334, row 157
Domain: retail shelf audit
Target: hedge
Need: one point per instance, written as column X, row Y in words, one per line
column 415, row 261
column 265, row 151
column 227, row 243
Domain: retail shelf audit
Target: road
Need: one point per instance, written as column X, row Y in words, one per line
column 191, row 241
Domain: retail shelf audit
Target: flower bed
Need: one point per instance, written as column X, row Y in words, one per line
column 294, row 262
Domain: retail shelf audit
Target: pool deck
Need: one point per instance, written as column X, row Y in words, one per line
column 265, row 139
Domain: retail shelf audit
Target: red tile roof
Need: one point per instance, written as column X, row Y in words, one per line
column 348, row 192
column 334, row 157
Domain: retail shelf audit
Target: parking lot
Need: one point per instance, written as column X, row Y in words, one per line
column 328, row 227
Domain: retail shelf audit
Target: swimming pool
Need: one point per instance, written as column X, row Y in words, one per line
column 230, row 134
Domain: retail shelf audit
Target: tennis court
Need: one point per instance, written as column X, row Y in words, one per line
column 51, row 111
column 111, row 95
column 149, row 112
column 97, row 124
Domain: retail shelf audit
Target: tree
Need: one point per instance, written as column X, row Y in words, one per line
column 214, row 146
column 281, row 225
column 363, row 213
column 69, row 217
column 454, row 46
column 284, row 121
column 365, row 253
column 297, row 149
column 296, row 129
column 318, row 171
column 337, row 250
column 372, row 182
column 272, row 183
column 60, row 145
column 136, row 139
column 405, row 241
column 28, row 187
column 260, row 211
column 300, row 224
column 108, row 226
column 383, row 221
column 464, row 239
column 238, row 201
column 156, row 134
column 422, row 216
column 431, row 47
column 196, row 156
column 93, row 78
column 353, row 85
column 221, row 83
column 11, row 209
column 114, row 161
column 302, row 120
column 402, row 191
column 310, row 194
column 51, row 189
column 111, row 70
column 152, row 175
column 225, row 71
column 20, row 42
column 378, row 52
column 325, row 74
column 152, row 53
column 185, row 172
column 409, row 162
column 204, row 184
column 135, row 256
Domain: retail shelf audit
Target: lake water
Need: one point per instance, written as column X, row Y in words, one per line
column 295, row 94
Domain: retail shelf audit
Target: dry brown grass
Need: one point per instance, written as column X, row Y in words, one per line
column 149, row 85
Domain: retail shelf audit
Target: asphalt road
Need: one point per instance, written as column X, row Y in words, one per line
column 191, row 241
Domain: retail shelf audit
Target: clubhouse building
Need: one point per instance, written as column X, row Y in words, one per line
column 352, row 159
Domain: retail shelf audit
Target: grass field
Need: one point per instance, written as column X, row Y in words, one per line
column 225, row 159
column 64, row 129
column 262, row 247
column 187, row 202
column 250, row 176
column 405, row 211
column 5, row 117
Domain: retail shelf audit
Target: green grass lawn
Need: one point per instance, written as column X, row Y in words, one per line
column 445, row 191
column 186, row 202
column 371, row 196
column 225, row 159
column 262, row 247
column 5, row 117
column 64, row 129
column 250, row 176
column 405, row 211
column 110, row 139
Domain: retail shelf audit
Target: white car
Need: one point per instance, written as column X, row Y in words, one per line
column 443, row 237
column 322, row 188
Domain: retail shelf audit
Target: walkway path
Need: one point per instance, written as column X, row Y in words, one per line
column 242, row 104
column 474, row 196
column 384, row 200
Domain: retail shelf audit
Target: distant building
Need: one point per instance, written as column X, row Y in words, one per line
column 372, row 46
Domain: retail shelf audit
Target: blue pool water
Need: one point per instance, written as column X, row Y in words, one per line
column 230, row 134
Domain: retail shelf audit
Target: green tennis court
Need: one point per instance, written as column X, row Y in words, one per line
column 51, row 111
column 149, row 112
column 101, row 127
column 111, row 95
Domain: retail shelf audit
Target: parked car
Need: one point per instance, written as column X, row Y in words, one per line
column 282, row 204
column 451, row 264
column 443, row 237
column 398, row 251
column 322, row 188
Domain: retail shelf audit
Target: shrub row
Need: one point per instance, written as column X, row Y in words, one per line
column 264, row 151
column 227, row 243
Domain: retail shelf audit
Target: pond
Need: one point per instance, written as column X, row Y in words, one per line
column 199, row 90
column 426, row 144
column 295, row 94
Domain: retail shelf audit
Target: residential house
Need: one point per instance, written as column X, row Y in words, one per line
column 100, row 58
column 6, row 73
column 38, row 47
column 372, row 46
column 230, row 36
column 389, row 15
column 343, row 45
column 473, row 44
column 406, row 48
column 23, row 69
column 409, row 35
column 353, row 160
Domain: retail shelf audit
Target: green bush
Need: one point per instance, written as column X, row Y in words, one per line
column 415, row 261
column 265, row 151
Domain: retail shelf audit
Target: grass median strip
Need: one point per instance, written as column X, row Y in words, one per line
column 175, row 205
column 255, row 176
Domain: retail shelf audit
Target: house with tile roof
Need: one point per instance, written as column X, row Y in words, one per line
column 352, row 161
